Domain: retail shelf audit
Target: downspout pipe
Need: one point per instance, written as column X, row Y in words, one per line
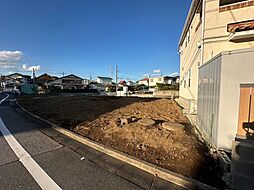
column 203, row 32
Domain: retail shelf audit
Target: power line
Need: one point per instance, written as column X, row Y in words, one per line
column 111, row 71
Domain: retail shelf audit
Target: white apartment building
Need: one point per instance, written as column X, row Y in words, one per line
column 144, row 81
column 163, row 80
column 211, row 27
column 154, row 80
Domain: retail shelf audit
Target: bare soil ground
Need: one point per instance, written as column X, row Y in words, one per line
column 174, row 147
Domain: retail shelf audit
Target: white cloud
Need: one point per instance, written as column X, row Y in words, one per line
column 26, row 68
column 10, row 59
column 8, row 66
column 157, row 71
column 174, row 74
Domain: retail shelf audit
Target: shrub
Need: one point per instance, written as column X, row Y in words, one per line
column 167, row 86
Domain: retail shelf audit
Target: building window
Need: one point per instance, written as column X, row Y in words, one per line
column 184, row 82
column 228, row 2
column 189, row 77
column 151, row 80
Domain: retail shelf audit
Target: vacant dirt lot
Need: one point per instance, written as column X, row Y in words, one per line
column 123, row 123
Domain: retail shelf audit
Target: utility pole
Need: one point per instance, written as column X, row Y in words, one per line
column 148, row 80
column 111, row 71
column 33, row 76
column 62, row 74
column 116, row 77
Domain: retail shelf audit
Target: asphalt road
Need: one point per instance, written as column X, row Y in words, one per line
column 34, row 156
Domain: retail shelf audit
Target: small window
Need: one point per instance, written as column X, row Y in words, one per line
column 151, row 80
column 184, row 82
column 189, row 78
column 228, row 2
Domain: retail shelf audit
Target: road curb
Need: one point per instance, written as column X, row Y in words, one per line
column 170, row 176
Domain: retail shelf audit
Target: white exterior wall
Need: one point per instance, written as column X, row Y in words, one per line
column 216, row 40
column 238, row 69
column 154, row 81
column 104, row 81
column 143, row 82
column 190, row 61
column 216, row 35
column 219, row 95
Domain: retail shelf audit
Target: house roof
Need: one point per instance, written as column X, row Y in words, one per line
column 105, row 78
column 45, row 76
column 122, row 82
column 145, row 79
column 71, row 75
column 26, row 76
column 13, row 74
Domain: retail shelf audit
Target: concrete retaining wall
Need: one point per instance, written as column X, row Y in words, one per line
column 166, row 93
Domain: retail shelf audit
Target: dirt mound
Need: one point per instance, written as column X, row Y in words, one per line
column 167, row 138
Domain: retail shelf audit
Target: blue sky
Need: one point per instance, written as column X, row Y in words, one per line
column 87, row 36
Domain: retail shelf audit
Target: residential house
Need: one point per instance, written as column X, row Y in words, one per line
column 130, row 83
column 12, row 81
column 87, row 81
column 210, row 28
column 68, row 82
column 154, row 80
column 144, row 81
column 122, row 83
column 97, row 86
column 171, row 80
column 43, row 79
column 177, row 79
column 104, row 80
column 18, row 78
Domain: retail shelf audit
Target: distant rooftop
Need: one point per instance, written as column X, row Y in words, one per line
column 106, row 78
column 10, row 75
column 145, row 79
column 71, row 75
